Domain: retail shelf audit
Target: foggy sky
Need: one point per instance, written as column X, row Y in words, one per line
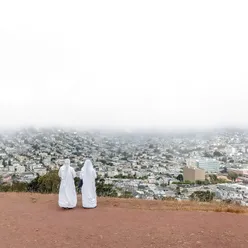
column 124, row 63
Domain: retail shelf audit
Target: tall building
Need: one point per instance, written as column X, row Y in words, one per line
column 191, row 162
column 193, row 174
column 209, row 165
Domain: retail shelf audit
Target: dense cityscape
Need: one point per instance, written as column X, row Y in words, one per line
column 148, row 165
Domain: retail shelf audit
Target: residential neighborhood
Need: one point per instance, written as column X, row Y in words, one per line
column 148, row 165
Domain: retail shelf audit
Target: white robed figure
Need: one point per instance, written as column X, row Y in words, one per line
column 67, row 190
column 88, row 175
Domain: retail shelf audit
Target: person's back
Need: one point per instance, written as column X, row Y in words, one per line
column 88, row 175
column 67, row 190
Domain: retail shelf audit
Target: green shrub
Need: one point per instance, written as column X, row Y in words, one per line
column 15, row 187
column 203, row 196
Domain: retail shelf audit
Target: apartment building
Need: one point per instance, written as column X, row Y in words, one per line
column 193, row 174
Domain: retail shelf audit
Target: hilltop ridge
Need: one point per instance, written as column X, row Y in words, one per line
column 34, row 219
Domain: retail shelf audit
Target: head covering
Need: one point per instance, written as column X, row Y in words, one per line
column 87, row 166
column 67, row 164
column 87, row 169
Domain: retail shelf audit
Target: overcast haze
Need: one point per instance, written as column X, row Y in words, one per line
column 124, row 63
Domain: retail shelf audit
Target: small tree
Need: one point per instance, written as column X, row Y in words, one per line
column 178, row 190
column 213, row 179
column 232, row 176
column 217, row 154
column 33, row 186
column 49, row 183
column 103, row 189
column 4, row 163
column 180, row 177
column 203, row 196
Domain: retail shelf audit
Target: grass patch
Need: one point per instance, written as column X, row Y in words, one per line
column 108, row 202
column 174, row 205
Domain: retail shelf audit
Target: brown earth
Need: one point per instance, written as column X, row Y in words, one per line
column 32, row 220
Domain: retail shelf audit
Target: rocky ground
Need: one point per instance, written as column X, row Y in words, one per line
column 31, row 220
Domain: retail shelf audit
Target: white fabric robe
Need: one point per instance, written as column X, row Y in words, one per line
column 88, row 175
column 67, row 190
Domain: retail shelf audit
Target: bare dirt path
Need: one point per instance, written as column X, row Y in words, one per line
column 28, row 221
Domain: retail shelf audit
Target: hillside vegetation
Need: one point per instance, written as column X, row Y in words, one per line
column 49, row 183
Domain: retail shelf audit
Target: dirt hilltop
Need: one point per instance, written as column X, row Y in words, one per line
column 33, row 220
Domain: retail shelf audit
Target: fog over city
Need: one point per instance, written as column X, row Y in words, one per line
column 124, row 64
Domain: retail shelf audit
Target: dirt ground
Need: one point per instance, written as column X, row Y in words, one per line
column 30, row 220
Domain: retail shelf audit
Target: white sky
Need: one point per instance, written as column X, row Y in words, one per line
column 124, row 63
